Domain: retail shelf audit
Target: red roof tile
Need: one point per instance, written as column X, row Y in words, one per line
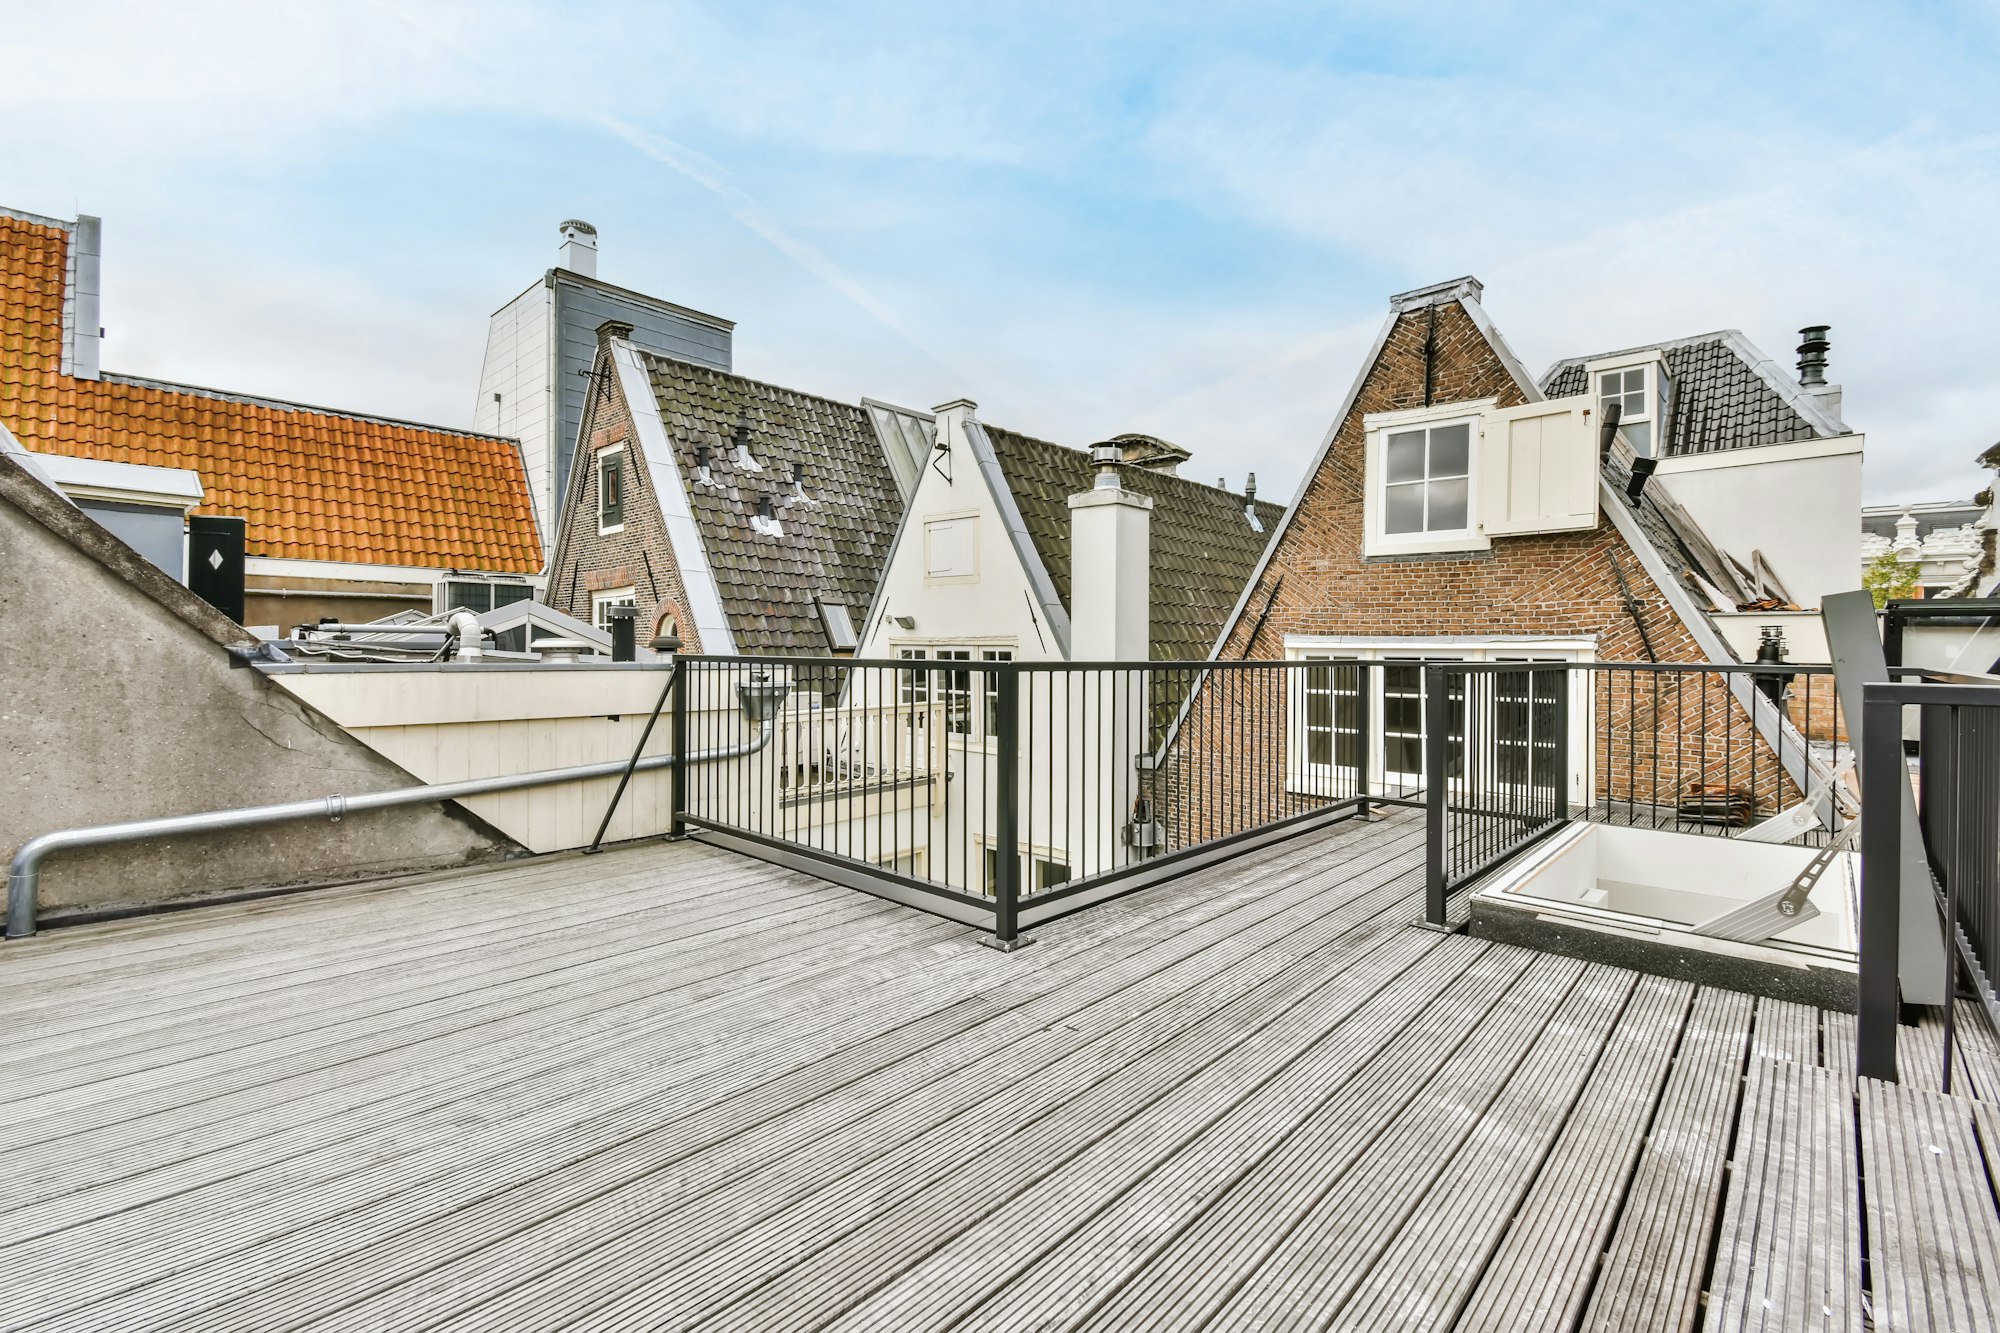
column 313, row 484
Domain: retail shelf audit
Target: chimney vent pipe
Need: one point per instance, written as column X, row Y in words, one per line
column 1812, row 354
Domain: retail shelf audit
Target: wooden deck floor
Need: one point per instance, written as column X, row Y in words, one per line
column 670, row 1088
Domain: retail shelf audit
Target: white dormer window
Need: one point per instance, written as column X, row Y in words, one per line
column 1427, row 481
column 1631, row 388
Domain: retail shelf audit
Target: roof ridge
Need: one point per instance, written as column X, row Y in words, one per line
column 36, row 219
column 762, row 384
column 293, row 405
column 1164, row 476
column 1664, row 343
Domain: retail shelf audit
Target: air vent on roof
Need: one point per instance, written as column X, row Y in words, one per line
column 765, row 520
column 740, row 449
column 702, row 458
column 1250, row 503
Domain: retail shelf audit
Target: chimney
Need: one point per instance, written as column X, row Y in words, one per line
column 1250, row 503
column 1110, row 557
column 952, row 419
column 579, row 248
column 83, row 336
column 1813, row 345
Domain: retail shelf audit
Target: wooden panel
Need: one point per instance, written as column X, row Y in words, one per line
column 1789, row 1255
column 1933, row 1236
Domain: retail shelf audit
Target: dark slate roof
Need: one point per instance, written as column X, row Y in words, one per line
column 1204, row 547
column 1724, row 396
column 836, row 537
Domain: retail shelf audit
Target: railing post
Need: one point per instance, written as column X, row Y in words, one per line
column 1007, row 810
column 1561, row 741
column 1362, row 752
column 1881, row 885
column 1436, row 724
column 681, row 684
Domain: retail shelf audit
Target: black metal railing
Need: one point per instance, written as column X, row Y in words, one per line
column 1957, row 802
column 1733, row 751
column 1008, row 794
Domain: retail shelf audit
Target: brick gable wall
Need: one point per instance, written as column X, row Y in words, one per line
column 1225, row 772
column 641, row 556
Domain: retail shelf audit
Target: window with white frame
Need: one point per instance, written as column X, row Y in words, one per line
column 1627, row 388
column 1427, row 480
column 611, row 490
column 953, row 687
column 1515, row 726
column 602, row 602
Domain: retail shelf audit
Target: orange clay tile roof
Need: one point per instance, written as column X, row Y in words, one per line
column 313, row 484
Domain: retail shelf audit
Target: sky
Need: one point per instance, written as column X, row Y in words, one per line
column 1183, row 219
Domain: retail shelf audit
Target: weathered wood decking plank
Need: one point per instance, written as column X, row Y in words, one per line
column 875, row 1215
column 711, row 1092
column 1054, row 1252
column 1259, row 899
column 1933, row 1234
column 1651, row 1273
column 595, row 1167
column 1789, row 1254
column 1318, row 1263
column 1542, row 1272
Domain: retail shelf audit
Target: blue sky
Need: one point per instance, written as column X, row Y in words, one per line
column 1177, row 218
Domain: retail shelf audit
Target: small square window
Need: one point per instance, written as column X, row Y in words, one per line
column 1627, row 389
column 1427, row 480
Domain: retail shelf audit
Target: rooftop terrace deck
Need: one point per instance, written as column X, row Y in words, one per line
column 668, row 1087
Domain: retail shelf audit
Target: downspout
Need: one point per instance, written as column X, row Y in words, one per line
column 24, row 875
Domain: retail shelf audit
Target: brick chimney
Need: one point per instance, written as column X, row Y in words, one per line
column 1110, row 557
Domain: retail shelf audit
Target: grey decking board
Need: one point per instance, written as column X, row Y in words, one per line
column 402, row 981
column 1328, row 1254
column 733, row 1141
column 867, row 1175
column 1422, row 1281
column 1022, row 956
column 642, row 1250
column 1789, row 1257
column 1934, row 1236
column 1067, row 1248
column 1542, row 1272
column 1651, row 1274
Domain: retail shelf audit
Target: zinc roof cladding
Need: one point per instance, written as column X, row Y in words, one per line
column 1722, row 397
column 1203, row 545
column 313, row 484
column 836, row 536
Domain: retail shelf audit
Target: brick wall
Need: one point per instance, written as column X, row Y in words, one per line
column 640, row 556
column 1319, row 582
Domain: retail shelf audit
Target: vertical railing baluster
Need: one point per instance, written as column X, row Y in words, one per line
column 1435, row 802
column 1007, row 812
column 1882, row 774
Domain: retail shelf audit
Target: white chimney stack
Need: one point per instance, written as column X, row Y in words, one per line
column 579, row 248
column 1110, row 559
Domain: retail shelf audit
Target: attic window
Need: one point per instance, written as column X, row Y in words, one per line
column 839, row 627
column 1628, row 389
column 611, row 490
column 1427, row 478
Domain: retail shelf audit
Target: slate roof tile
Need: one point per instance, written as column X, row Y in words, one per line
column 1721, row 399
column 1204, row 547
column 836, row 536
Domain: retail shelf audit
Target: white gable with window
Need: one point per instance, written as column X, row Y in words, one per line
column 1453, row 476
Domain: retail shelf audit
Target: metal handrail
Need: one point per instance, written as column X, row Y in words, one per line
column 24, row 874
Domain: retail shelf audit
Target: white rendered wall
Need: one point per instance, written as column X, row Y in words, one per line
column 1800, row 504
column 994, row 607
column 517, row 367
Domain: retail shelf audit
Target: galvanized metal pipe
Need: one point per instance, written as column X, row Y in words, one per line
column 24, row 874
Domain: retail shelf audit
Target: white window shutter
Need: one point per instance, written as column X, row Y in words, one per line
column 1538, row 467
